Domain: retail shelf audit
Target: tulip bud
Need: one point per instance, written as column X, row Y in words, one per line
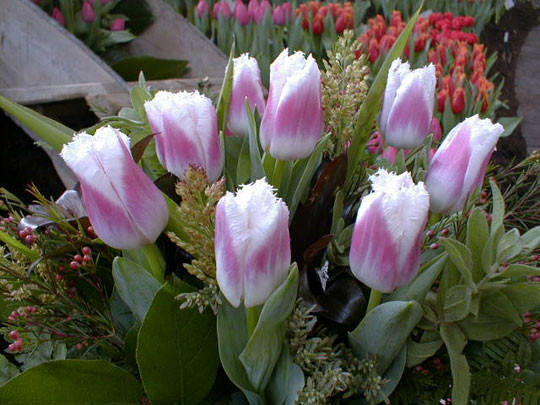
column 58, row 16
column 253, row 8
column 253, row 250
column 246, row 83
column 387, row 238
column 186, row 131
column 222, row 9
column 293, row 120
column 202, row 8
column 460, row 163
column 279, row 16
column 407, row 111
column 458, row 101
column 124, row 206
column 118, row 24
column 436, row 129
column 241, row 13
column 87, row 12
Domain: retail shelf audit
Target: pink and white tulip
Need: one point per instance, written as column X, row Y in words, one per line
column 387, row 238
column 407, row 110
column 460, row 163
column 124, row 206
column 246, row 83
column 185, row 124
column 293, row 121
column 253, row 250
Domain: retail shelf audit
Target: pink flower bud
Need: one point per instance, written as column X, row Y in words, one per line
column 460, row 163
column 253, row 250
column 262, row 10
column 124, row 206
column 436, row 129
column 186, row 131
column 253, row 9
column 241, row 13
column 246, row 83
column 387, row 238
column 222, row 9
column 88, row 14
column 407, row 111
column 203, row 8
column 58, row 16
column 293, row 121
column 280, row 16
column 119, row 24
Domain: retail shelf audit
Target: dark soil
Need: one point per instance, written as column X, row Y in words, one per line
column 517, row 22
column 24, row 163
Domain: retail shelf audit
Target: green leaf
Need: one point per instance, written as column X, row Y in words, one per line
column 153, row 68
column 286, row 380
column 135, row 285
column 7, row 370
column 477, row 236
column 257, row 171
column 393, row 374
column 455, row 342
column 524, row 296
column 509, row 124
column 263, row 348
column 517, row 271
column 418, row 352
column 489, row 253
column 530, row 240
column 421, row 285
column 16, row 245
column 243, row 165
column 52, row 132
column 509, row 246
column 177, row 350
column 461, row 256
column 225, row 94
column 371, row 105
column 150, row 258
column 457, row 303
column 72, row 381
column 497, row 212
column 384, row 331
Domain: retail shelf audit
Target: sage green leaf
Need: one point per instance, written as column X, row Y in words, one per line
column 509, row 246
column 418, row 352
column 263, row 348
column 53, row 133
column 497, row 213
column 509, row 124
column 150, row 258
column 489, row 254
column 516, row 271
column 243, row 165
column 457, row 303
column 477, row 236
column 257, row 171
column 72, row 382
column 225, row 94
column 177, row 350
column 384, row 331
column 8, row 370
column 524, row 296
column 393, row 374
column 286, row 380
column 455, row 342
column 461, row 256
column 530, row 240
column 419, row 287
column 135, row 285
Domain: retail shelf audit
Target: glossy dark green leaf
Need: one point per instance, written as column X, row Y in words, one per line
column 72, row 381
column 177, row 350
column 153, row 68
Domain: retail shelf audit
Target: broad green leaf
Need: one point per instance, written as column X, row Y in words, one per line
column 477, row 236
column 509, row 246
column 176, row 350
column 461, row 256
column 421, row 285
column 286, row 380
column 72, row 382
column 263, row 348
column 530, row 240
column 489, row 253
column 524, row 296
column 153, row 68
column 371, row 105
column 393, row 374
column 455, row 342
column 384, row 331
column 516, row 271
column 150, row 258
column 8, row 370
column 418, row 352
column 509, row 124
column 457, row 302
column 497, row 212
column 135, row 285
column 498, row 304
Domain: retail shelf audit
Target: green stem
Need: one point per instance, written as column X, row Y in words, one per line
column 252, row 317
column 279, row 169
column 374, row 299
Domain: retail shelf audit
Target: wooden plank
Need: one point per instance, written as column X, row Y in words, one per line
column 39, row 56
column 173, row 37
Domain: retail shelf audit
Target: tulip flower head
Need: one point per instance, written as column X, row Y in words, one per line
column 119, row 24
column 203, row 8
column 241, row 13
column 293, row 121
column 460, row 163
column 407, row 111
column 246, row 83
column 124, row 206
column 185, row 124
column 88, row 14
column 253, row 250
column 387, row 238
column 58, row 16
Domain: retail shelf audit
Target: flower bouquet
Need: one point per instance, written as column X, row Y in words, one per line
column 256, row 252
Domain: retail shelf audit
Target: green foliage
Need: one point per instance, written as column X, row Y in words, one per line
column 154, row 68
column 72, row 381
column 176, row 350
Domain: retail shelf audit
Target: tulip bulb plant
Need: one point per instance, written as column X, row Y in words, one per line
column 281, row 221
